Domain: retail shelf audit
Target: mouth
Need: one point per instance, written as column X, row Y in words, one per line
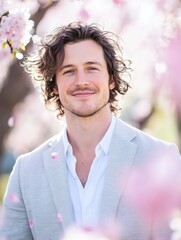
column 83, row 93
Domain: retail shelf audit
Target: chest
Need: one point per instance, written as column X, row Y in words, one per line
column 83, row 166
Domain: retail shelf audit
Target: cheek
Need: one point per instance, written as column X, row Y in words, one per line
column 61, row 86
column 63, row 90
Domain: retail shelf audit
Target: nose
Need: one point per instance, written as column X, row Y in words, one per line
column 81, row 79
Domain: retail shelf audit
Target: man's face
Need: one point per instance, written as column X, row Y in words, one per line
column 83, row 79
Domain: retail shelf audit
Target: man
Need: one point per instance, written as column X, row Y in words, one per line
column 72, row 178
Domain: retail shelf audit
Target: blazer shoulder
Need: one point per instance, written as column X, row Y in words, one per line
column 147, row 145
column 37, row 153
column 139, row 136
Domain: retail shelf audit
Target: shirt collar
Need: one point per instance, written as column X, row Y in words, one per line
column 103, row 144
column 67, row 146
column 106, row 140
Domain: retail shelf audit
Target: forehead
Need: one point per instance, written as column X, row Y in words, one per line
column 85, row 50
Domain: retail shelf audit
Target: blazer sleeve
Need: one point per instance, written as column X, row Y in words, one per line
column 15, row 223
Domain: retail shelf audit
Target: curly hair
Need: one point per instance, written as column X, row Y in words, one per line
column 43, row 64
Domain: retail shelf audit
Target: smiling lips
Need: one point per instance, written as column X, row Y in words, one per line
column 82, row 93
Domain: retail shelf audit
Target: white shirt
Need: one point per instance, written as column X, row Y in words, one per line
column 86, row 200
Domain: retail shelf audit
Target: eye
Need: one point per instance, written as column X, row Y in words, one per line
column 69, row 72
column 93, row 68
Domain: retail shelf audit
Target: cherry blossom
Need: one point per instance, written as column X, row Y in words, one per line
column 118, row 1
column 54, row 155
column 84, row 14
column 153, row 188
column 59, row 217
column 13, row 198
column 31, row 223
column 15, row 29
column 78, row 233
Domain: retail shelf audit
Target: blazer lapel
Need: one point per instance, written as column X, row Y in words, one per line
column 55, row 168
column 121, row 156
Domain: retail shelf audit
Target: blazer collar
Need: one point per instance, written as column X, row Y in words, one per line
column 121, row 156
column 56, row 172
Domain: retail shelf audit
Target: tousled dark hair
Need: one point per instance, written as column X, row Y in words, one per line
column 43, row 64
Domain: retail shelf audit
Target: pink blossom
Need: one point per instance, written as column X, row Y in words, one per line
column 31, row 223
column 78, row 233
column 15, row 28
column 54, row 155
column 109, row 231
column 13, row 198
column 172, row 76
column 84, row 14
column 4, row 53
column 59, row 217
column 153, row 188
column 118, row 1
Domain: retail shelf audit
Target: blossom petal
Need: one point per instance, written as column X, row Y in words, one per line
column 13, row 198
column 54, row 155
column 31, row 223
column 59, row 217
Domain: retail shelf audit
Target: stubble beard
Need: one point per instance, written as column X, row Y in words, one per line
column 89, row 112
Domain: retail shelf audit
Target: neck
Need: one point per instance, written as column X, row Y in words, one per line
column 85, row 133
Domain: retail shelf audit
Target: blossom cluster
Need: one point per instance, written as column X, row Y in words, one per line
column 15, row 31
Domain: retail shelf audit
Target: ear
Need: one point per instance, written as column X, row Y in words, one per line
column 112, row 83
column 55, row 90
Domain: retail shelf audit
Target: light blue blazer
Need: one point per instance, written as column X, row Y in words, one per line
column 41, row 184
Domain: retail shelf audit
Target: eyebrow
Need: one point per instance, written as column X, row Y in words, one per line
column 87, row 63
column 66, row 66
column 93, row 63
